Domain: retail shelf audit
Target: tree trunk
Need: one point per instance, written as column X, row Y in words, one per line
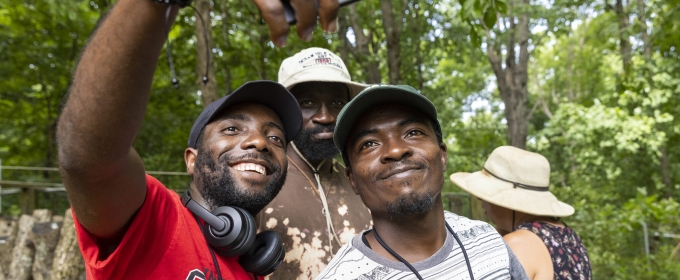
column 664, row 163
column 45, row 237
column 264, row 39
column 570, row 71
column 22, row 253
column 42, row 215
column 24, row 249
column 8, row 233
column 642, row 17
column 624, row 41
column 343, row 27
column 225, row 36
column 512, row 78
column 515, row 115
column 419, row 51
column 664, row 166
column 392, row 31
column 362, row 52
column 68, row 262
column 204, row 53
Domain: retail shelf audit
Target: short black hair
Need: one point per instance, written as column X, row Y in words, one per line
column 199, row 140
column 437, row 133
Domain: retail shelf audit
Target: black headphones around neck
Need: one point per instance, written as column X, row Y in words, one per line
column 231, row 231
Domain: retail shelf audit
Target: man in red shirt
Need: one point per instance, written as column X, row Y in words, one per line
column 129, row 225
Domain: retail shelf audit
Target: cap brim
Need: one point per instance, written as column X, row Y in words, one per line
column 505, row 195
column 371, row 97
column 313, row 76
column 273, row 95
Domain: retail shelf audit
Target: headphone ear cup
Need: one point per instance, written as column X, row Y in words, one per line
column 239, row 235
column 266, row 254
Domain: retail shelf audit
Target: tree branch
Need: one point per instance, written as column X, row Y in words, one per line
column 533, row 109
column 538, row 42
column 546, row 110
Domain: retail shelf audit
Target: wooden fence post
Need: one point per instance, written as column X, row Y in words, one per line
column 458, row 203
column 478, row 212
column 27, row 199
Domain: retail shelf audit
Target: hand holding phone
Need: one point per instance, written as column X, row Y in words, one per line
column 280, row 14
column 290, row 13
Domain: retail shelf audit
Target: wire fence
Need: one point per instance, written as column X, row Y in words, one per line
column 31, row 189
column 47, row 191
column 25, row 188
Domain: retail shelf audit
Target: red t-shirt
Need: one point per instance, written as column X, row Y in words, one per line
column 162, row 242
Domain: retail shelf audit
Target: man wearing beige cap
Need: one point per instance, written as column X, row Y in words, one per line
column 513, row 186
column 316, row 211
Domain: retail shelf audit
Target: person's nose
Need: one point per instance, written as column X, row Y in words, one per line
column 396, row 150
column 255, row 140
column 323, row 115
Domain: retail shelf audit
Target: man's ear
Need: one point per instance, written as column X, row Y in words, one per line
column 444, row 154
column 190, row 158
column 350, row 176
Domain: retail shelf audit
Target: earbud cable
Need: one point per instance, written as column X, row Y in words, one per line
column 175, row 81
column 322, row 194
column 407, row 264
column 393, row 253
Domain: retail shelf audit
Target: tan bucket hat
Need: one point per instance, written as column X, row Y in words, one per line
column 515, row 179
column 316, row 65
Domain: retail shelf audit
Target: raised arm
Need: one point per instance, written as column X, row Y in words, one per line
column 103, row 175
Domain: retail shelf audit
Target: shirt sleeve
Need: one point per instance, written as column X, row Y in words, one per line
column 516, row 268
column 147, row 237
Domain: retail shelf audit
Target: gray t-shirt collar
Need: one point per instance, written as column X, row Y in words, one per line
column 430, row 262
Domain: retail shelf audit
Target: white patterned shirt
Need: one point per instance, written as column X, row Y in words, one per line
column 490, row 257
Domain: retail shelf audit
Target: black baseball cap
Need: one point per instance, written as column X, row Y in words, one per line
column 268, row 93
column 375, row 95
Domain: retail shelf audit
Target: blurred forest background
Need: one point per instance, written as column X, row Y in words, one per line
column 592, row 85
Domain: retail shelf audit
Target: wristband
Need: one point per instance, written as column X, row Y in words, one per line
column 181, row 3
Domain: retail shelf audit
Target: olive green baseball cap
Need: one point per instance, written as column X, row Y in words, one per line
column 375, row 95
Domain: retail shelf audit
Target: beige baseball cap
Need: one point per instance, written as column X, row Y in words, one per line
column 316, row 65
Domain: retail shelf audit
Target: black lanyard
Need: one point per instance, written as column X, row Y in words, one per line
column 402, row 260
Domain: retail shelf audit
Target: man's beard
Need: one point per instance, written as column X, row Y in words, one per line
column 218, row 187
column 316, row 150
column 412, row 204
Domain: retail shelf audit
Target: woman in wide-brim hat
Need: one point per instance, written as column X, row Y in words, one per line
column 513, row 187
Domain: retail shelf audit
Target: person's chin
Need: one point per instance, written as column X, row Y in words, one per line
column 250, row 188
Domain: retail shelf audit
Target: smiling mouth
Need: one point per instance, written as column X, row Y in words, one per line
column 323, row 135
column 400, row 170
column 250, row 167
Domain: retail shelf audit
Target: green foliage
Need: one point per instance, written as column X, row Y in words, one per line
column 611, row 139
column 39, row 45
column 37, row 54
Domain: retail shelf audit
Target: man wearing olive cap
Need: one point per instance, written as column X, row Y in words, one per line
column 391, row 142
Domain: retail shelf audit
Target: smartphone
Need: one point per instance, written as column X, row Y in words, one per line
column 290, row 13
